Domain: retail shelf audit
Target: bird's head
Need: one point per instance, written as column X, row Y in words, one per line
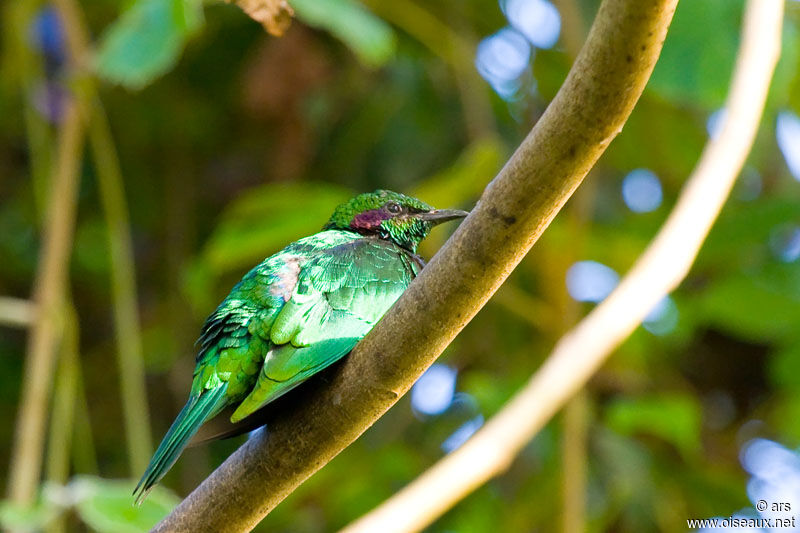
column 391, row 216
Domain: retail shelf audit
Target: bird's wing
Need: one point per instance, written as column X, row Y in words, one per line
column 235, row 337
column 340, row 294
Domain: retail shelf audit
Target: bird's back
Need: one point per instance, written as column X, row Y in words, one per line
column 297, row 312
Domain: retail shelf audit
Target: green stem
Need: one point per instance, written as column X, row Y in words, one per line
column 123, row 283
column 63, row 413
column 84, row 456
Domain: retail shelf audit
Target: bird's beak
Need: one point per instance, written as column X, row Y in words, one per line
column 437, row 216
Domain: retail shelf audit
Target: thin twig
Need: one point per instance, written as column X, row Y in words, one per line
column 581, row 352
column 586, row 114
column 63, row 411
column 123, row 285
column 84, row 455
column 16, row 312
column 49, row 291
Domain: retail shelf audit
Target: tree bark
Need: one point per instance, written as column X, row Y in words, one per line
column 587, row 113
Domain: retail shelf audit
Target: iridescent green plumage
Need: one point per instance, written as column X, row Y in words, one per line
column 300, row 311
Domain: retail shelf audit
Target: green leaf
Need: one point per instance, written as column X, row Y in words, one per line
column 197, row 286
column 759, row 306
column 466, row 177
column 784, row 366
column 784, row 415
column 146, row 41
column 676, row 139
column 370, row 38
column 674, row 418
column 14, row 517
column 266, row 218
column 107, row 506
column 697, row 60
column 460, row 183
column 787, row 74
column 627, row 464
column 740, row 235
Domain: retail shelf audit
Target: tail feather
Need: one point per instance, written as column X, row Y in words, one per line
column 196, row 411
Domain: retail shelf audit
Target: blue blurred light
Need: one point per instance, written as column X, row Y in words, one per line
column 775, row 478
column 433, row 392
column 787, row 132
column 775, row 472
column 641, row 190
column 769, row 460
column 663, row 318
column 47, row 33
column 462, row 434
column 538, row 20
column 590, row 281
column 502, row 59
column 715, row 122
column 784, row 241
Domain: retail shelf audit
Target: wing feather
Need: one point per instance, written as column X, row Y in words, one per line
column 341, row 293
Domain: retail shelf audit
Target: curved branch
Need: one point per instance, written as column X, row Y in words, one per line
column 590, row 109
column 581, row 352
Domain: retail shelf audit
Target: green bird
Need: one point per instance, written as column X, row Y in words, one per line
column 299, row 311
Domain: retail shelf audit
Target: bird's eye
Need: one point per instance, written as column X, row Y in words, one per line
column 393, row 208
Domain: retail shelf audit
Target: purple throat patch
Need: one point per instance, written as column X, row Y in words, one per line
column 368, row 220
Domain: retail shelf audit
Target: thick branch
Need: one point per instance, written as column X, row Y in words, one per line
column 589, row 110
column 580, row 353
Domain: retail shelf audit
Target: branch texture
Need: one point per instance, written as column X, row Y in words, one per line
column 581, row 352
column 590, row 109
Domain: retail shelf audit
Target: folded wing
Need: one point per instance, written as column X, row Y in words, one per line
column 341, row 292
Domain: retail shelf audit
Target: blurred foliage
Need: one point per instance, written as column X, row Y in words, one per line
column 102, row 505
column 147, row 40
column 238, row 143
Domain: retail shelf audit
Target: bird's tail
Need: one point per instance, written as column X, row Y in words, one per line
column 196, row 411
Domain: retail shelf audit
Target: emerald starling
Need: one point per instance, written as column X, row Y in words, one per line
column 299, row 311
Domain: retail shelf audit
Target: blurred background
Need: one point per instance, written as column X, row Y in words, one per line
column 209, row 144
